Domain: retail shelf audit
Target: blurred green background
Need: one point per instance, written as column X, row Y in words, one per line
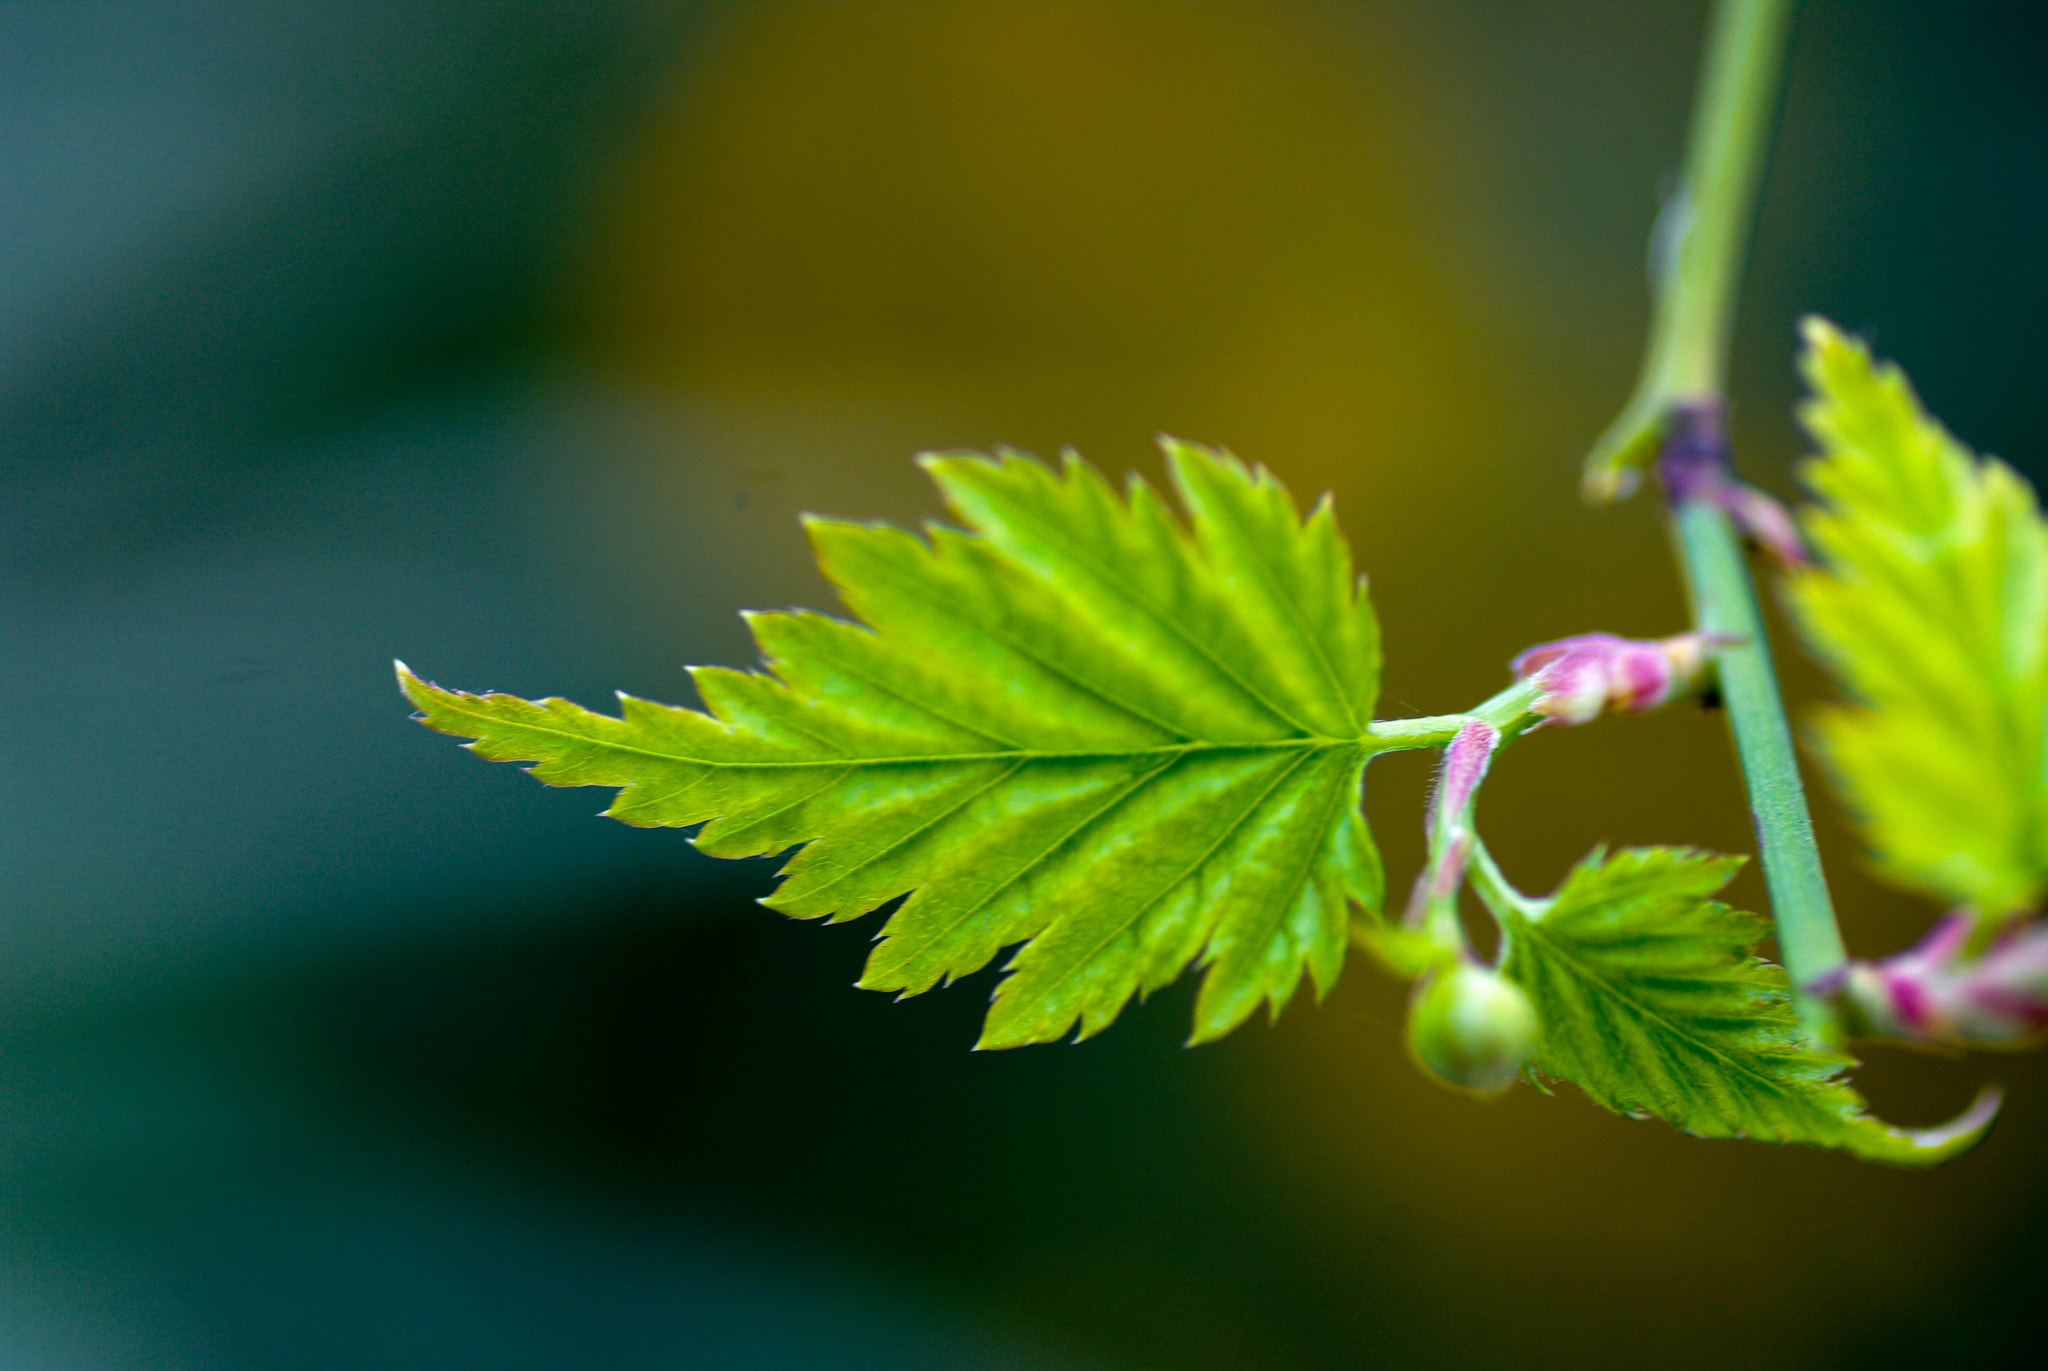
column 511, row 338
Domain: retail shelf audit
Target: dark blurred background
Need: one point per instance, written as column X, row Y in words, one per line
column 511, row 338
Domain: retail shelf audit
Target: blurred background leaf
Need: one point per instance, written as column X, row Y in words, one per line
column 513, row 337
column 1929, row 605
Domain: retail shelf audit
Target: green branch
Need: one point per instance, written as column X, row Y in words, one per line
column 1724, row 602
column 1675, row 417
column 1706, row 226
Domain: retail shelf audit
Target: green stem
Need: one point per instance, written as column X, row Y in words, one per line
column 1711, row 213
column 1512, row 712
column 1675, row 415
column 1724, row 602
column 1738, row 100
column 1496, row 892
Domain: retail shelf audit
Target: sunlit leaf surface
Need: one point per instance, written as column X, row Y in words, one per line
column 1125, row 740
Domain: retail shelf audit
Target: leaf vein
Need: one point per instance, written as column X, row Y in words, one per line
column 940, row 817
column 1080, row 553
column 1033, row 655
column 989, row 896
column 1169, row 887
column 1704, row 1046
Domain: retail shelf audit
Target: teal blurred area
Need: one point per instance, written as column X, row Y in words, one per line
column 512, row 338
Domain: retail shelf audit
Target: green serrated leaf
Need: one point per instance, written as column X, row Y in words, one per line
column 1654, row 1002
column 1930, row 605
column 1125, row 741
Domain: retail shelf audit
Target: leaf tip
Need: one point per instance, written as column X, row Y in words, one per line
column 1180, row 453
column 996, row 1040
column 1218, row 1014
column 1819, row 333
column 418, row 692
column 948, row 469
column 1944, row 1142
column 1967, row 1129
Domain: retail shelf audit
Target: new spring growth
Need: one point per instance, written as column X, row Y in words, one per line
column 1468, row 1025
column 1691, row 450
column 1694, row 464
column 1585, row 676
column 1433, row 903
column 1472, row 1027
column 1936, row 992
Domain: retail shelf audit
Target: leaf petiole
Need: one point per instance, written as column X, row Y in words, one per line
column 1512, row 712
column 1500, row 897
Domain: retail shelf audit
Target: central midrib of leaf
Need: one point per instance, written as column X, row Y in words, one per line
column 1029, row 754
column 1311, row 743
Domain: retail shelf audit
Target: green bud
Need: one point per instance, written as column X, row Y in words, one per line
column 1472, row 1027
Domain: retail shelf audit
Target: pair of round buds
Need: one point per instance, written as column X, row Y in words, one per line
column 1471, row 1027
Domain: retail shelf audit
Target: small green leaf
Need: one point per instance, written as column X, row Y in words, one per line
column 1653, row 1002
column 1127, row 742
column 1930, row 605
